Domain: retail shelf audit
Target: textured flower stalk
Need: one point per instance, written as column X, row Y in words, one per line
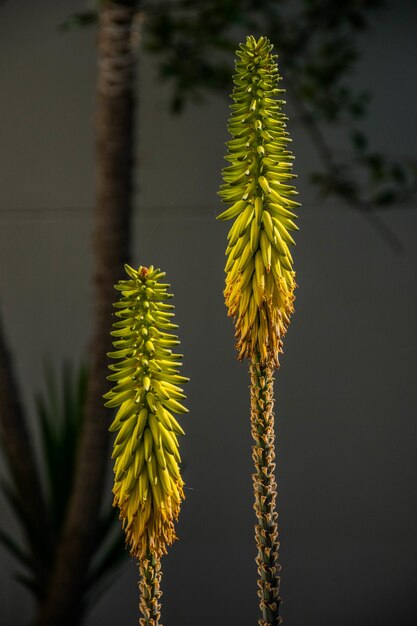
column 265, row 490
column 149, row 587
column 260, row 280
column 148, row 488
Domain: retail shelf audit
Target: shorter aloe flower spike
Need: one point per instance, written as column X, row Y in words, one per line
column 260, row 280
column 148, row 488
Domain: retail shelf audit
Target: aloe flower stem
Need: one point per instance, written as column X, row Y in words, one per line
column 260, row 280
column 265, row 489
column 149, row 587
column 148, row 488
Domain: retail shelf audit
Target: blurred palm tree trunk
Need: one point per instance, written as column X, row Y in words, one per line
column 114, row 141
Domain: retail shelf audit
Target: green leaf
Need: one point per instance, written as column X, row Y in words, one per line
column 359, row 140
column 30, row 583
column 376, row 164
column 106, row 524
column 79, row 20
column 60, row 412
column 109, row 562
column 15, row 549
column 61, row 418
column 15, row 503
column 398, row 174
column 387, row 196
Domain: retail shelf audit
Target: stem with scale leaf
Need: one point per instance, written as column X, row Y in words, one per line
column 265, row 490
column 149, row 587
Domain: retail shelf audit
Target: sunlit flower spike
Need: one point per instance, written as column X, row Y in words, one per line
column 148, row 488
column 260, row 280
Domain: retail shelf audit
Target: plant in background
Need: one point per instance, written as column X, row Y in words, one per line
column 148, row 488
column 60, row 417
column 260, row 281
column 320, row 46
column 319, row 43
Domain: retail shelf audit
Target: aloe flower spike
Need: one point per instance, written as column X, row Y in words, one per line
column 148, row 488
column 260, row 280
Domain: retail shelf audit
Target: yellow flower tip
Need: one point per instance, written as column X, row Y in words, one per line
column 148, row 488
column 261, row 317
column 260, row 283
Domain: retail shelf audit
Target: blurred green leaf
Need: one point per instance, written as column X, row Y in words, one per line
column 359, row 140
column 60, row 413
column 79, row 20
column 385, row 197
column 30, row 583
column 318, row 42
column 398, row 174
column 15, row 549
column 376, row 164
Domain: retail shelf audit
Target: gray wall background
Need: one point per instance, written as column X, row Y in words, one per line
column 346, row 392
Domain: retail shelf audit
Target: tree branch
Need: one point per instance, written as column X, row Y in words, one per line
column 336, row 172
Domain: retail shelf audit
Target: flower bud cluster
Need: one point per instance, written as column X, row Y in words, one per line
column 260, row 280
column 148, row 488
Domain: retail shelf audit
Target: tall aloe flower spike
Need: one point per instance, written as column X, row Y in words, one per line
column 148, row 488
column 260, row 281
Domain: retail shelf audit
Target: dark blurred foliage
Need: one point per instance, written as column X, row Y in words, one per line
column 317, row 42
column 60, row 416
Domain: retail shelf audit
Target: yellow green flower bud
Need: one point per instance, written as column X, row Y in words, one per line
column 260, row 280
column 148, row 488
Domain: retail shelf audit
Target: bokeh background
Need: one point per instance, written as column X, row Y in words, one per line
column 346, row 392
